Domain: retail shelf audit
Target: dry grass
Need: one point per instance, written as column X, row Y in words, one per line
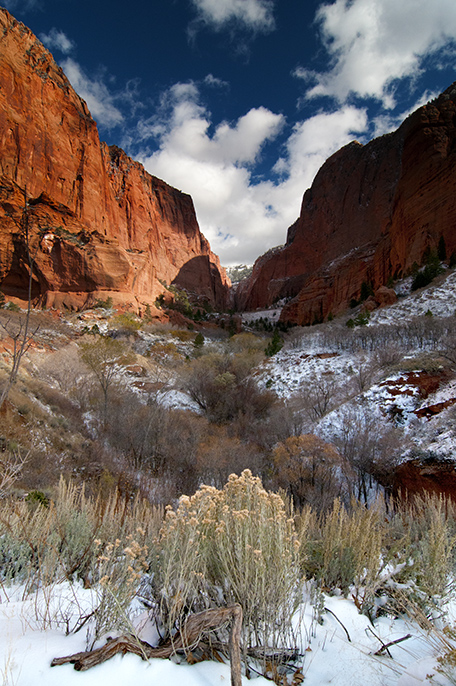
column 47, row 543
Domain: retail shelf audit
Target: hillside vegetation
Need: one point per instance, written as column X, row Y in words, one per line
column 277, row 464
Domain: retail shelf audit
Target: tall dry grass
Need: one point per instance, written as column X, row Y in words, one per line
column 238, row 544
column 48, row 542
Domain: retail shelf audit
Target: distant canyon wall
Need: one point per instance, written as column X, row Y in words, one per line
column 101, row 226
column 372, row 211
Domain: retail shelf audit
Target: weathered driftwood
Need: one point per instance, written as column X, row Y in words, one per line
column 194, row 628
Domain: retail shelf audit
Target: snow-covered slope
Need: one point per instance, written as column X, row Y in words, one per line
column 395, row 374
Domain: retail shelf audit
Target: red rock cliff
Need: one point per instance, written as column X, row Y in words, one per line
column 372, row 211
column 101, row 225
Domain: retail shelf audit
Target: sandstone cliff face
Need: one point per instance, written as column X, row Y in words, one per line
column 371, row 212
column 101, row 225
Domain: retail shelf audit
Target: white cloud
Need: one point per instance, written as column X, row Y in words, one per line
column 240, row 217
column 214, row 81
column 256, row 15
column 98, row 97
column 372, row 43
column 314, row 139
column 57, row 40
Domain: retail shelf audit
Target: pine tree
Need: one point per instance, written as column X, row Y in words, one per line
column 274, row 345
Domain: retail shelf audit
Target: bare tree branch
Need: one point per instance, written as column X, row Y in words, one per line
column 22, row 339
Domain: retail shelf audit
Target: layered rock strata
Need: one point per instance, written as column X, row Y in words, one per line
column 100, row 225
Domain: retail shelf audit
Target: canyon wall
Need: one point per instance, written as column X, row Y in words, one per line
column 371, row 213
column 100, row 225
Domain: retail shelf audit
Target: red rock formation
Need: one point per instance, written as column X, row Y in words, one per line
column 371, row 212
column 101, row 225
column 419, row 477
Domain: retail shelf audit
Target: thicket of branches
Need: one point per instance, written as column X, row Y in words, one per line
column 109, row 433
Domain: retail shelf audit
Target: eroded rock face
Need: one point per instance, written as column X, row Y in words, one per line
column 371, row 212
column 100, row 224
column 417, row 477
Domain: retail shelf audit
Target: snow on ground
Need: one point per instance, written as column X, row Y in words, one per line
column 440, row 299
column 396, row 396
column 178, row 400
column 272, row 314
column 289, row 371
column 337, row 649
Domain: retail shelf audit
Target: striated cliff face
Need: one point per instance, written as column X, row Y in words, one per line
column 372, row 211
column 100, row 224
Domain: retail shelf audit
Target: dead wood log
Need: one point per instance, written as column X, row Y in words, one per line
column 188, row 637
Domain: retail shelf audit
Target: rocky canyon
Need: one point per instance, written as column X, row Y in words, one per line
column 99, row 225
column 102, row 227
column 372, row 212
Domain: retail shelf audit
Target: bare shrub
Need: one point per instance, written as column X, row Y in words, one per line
column 64, row 370
column 388, row 356
column 220, row 386
column 283, row 419
column 311, row 470
column 372, row 448
column 104, row 357
column 364, row 372
column 220, row 454
column 138, row 430
column 11, row 465
column 247, row 343
column 320, row 397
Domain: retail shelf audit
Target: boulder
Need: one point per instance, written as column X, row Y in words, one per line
column 385, row 296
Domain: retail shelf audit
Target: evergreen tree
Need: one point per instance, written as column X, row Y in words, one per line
column 274, row 345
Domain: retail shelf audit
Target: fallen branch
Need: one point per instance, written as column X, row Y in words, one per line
column 385, row 646
column 185, row 640
column 392, row 643
column 336, row 617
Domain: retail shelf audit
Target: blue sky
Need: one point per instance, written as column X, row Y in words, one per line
column 239, row 102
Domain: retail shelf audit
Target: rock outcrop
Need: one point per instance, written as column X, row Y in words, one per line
column 417, row 477
column 100, row 225
column 372, row 211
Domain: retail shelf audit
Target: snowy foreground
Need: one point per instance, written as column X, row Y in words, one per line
column 33, row 632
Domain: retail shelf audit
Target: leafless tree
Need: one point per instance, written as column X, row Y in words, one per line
column 319, row 397
column 364, row 373
column 311, row 469
column 104, row 357
column 11, row 465
column 20, row 332
column 371, row 446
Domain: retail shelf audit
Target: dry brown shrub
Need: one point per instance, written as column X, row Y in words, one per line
column 311, row 470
